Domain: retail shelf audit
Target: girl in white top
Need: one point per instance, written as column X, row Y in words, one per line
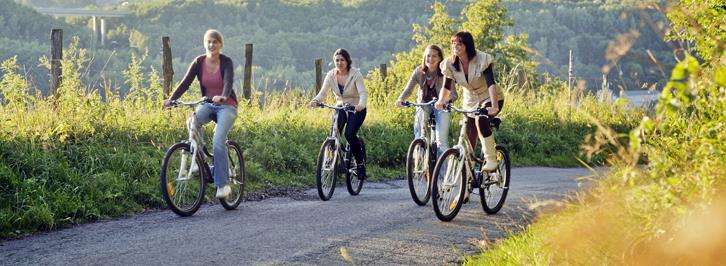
column 428, row 78
column 346, row 83
column 472, row 70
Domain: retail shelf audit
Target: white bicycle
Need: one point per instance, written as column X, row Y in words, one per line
column 458, row 170
column 185, row 169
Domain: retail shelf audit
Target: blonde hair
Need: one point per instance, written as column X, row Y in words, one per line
column 212, row 33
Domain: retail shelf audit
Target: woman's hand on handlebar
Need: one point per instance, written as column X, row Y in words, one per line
column 492, row 111
column 218, row 99
column 359, row 107
column 313, row 103
column 166, row 103
column 399, row 103
column 440, row 104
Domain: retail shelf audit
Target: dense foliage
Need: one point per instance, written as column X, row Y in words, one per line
column 285, row 49
column 662, row 212
column 592, row 30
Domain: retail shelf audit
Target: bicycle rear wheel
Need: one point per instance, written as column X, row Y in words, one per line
column 418, row 172
column 495, row 185
column 448, row 185
column 352, row 182
column 182, row 186
column 236, row 176
column 327, row 170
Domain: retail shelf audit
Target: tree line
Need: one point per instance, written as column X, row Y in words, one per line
column 289, row 35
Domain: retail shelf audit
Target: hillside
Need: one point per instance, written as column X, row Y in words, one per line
column 289, row 35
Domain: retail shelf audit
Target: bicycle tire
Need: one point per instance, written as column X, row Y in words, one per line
column 490, row 203
column 237, row 176
column 418, row 172
column 451, row 201
column 171, row 189
column 325, row 175
column 352, row 182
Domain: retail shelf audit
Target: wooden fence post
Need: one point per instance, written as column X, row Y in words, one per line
column 167, row 68
column 318, row 75
column 56, row 55
column 246, row 86
column 384, row 72
column 570, row 80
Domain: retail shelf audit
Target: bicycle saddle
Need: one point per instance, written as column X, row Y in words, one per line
column 495, row 122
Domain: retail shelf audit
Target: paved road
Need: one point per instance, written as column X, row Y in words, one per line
column 381, row 226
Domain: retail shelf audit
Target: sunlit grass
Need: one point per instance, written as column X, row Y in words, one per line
column 669, row 211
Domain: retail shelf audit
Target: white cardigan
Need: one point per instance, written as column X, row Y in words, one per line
column 354, row 93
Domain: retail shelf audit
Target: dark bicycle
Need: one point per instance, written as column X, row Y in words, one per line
column 421, row 157
column 185, row 170
column 329, row 160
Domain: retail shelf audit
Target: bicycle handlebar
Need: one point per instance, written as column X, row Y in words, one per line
column 204, row 99
column 346, row 107
column 476, row 111
column 409, row 104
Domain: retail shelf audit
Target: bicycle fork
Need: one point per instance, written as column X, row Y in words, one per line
column 187, row 168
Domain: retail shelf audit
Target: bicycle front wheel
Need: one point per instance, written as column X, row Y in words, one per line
column 236, row 176
column 418, row 172
column 327, row 170
column 448, row 185
column 182, row 183
column 495, row 185
column 352, row 181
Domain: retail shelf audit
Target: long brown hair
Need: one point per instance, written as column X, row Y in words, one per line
column 425, row 68
column 465, row 38
column 345, row 55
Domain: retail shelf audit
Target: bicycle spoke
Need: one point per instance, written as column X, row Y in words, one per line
column 420, row 170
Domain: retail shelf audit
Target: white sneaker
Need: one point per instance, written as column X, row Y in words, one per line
column 223, row 192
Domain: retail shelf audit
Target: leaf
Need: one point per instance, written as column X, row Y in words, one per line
column 673, row 181
column 345, row 255
column 721, row 76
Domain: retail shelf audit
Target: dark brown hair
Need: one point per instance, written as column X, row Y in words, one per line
column 425, row 68
column 465, row 38
column 345, row 55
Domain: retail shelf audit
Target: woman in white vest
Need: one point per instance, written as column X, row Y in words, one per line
column 472, row 70
column 346, row 83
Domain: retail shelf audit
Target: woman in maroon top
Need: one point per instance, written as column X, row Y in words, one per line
column 215, row 73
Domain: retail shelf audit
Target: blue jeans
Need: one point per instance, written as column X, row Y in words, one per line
column 226, row 115
column 443, row 122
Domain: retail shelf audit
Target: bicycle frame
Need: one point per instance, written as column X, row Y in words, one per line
column 334, row 133
column 429, row 122
column 466, row 151
column 195, row 140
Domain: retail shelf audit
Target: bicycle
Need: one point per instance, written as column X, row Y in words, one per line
column 461, row 166
column 185, row 169
column 329, row 164
column 421, row 157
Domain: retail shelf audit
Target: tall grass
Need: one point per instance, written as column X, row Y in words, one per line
column 77, row 157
